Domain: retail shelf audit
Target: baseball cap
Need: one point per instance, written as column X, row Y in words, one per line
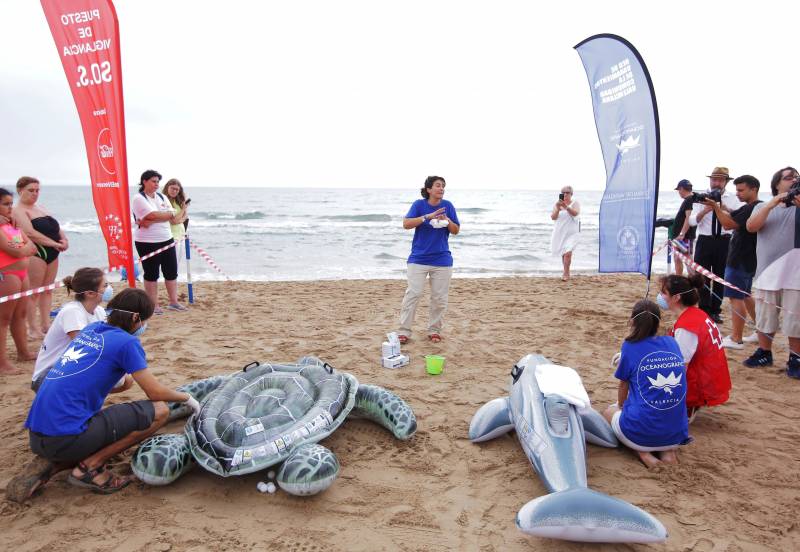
column 685, row 184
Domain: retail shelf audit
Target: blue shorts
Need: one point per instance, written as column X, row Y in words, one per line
column 739, row 278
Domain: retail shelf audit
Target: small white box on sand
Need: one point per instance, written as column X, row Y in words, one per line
column 395, row 361
column 390, row 349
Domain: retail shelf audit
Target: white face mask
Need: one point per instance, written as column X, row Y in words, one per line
column 140, row 330
column 661, row 301
column 108, row 293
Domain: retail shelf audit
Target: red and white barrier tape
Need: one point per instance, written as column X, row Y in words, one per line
column 657, row 251
column 207, row 258
column 54, row 285
column 708, row 274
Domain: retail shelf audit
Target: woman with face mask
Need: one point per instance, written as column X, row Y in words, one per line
column 708, row 380
column 68, row 426
column 90, row 288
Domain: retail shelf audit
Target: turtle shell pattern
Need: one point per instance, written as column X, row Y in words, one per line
column 257, row 417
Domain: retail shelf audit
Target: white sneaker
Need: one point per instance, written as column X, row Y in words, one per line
column 752, row 338
column 731, row 344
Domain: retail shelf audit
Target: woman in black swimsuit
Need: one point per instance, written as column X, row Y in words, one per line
column 45, row 232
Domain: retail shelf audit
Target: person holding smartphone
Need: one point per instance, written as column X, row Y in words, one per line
column 566, row 213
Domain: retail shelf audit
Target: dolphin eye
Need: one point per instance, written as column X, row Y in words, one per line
column 516, row 372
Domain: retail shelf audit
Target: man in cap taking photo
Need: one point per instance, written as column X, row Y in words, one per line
column 684, row 233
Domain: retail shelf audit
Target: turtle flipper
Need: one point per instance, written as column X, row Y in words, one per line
column 162, row 459
column 385, row 409
column 309, row 469
column 197, row 389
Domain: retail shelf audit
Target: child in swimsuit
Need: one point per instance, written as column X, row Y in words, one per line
column 15, row 248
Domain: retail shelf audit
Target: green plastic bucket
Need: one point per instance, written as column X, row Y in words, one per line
column 434, row 364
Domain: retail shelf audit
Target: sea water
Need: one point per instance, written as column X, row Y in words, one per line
column 324, row 233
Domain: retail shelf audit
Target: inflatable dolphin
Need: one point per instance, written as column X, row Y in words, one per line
column 549, row 409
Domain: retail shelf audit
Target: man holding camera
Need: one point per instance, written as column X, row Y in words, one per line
column 777, row 282
column 741, row 264
column 712, row 239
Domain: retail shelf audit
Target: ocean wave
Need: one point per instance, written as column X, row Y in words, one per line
column 375, row 217
column 80, row 226
column 387, row 257
column 522, row 257
column 240, row 215
column 473, row 210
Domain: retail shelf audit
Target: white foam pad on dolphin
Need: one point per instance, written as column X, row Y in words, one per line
column 554, row 379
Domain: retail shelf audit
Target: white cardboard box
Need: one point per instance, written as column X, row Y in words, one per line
column 395, row 361
column 390, row 349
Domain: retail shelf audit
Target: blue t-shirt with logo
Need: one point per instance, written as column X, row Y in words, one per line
column 430, row 245
column 79, row 382
column 654, row 414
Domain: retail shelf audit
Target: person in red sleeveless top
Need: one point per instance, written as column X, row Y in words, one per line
column 707, row 377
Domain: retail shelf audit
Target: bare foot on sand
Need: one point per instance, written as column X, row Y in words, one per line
column 649, row 459
column 669, row 457
column 6, row 369
column 26, row 356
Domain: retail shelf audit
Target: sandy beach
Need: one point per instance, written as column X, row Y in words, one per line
column 736, row 488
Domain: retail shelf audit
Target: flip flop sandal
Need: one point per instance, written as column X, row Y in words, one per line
column 34, row 475
column 110, row 486
column 435, row 338
column 403, row 339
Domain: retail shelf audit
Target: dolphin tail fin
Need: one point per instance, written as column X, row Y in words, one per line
column 585, row 515
column 491, row 420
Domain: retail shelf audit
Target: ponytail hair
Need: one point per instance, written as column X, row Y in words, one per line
column 687, row 288
column 645, row 318
column 84, row 279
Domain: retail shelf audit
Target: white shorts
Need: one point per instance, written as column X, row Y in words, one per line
column 630, row 444
column 767, row 313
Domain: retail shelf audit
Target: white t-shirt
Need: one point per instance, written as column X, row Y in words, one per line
column 687, row 341
column 142, row 206
column 72, row 317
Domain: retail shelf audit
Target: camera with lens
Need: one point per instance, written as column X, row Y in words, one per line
column 793, row 192
column 715, row 195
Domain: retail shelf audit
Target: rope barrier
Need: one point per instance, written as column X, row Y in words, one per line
column 207, row 258
column 710, row 275
column 109, row 270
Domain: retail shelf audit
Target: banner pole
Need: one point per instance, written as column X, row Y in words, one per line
column 188, row 268
column 669, row 258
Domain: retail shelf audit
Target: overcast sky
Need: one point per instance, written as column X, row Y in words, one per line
column 379, row 94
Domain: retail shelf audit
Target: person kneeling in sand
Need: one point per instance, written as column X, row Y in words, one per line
column 708, row 381
column 652, row 390
column 68, row 426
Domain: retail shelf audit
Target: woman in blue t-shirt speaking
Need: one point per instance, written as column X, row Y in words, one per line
column 69, row 428
column 433, row 219
column 652, row 390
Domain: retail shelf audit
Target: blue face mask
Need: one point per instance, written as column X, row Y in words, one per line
column 140, row 330
column 661, row 302
column 108, row 293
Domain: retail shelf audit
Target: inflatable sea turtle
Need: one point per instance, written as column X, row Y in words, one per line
column 267, row 414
